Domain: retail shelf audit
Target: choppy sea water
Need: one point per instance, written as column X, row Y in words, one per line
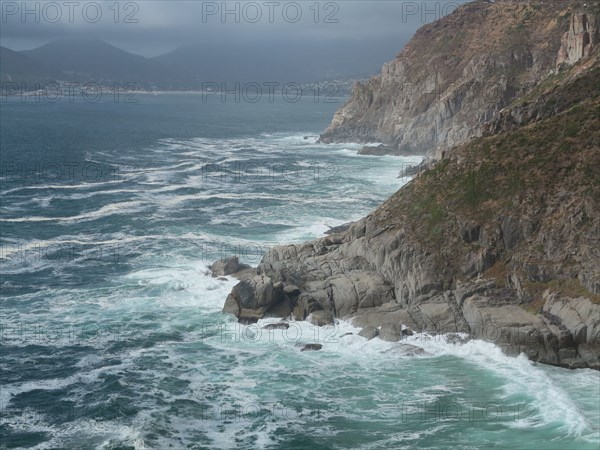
column 112, row 335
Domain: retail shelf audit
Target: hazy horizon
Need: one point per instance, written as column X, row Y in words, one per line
column 156, row 28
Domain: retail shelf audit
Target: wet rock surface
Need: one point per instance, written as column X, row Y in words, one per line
column 311, row 347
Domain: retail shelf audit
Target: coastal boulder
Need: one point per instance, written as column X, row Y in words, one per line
column 253, row 297
column 230, row 266
column 305, row 305
column 406, row 350
column 369, row 333
column 320, row 318
column 391, row 333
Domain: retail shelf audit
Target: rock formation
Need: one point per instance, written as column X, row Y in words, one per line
column 458, row 72
column 579, row 41
column 499, row 240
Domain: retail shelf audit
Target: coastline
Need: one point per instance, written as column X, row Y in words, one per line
column 499, row 238
column 445, row 255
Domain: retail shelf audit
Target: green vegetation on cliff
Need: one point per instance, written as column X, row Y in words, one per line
column 527, row 200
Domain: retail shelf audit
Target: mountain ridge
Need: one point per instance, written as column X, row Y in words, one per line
column 190, row 67
column 19, row 68
column 93, row 59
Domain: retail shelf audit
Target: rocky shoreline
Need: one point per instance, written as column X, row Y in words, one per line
column 335, row 277
column 499, row 239
column 517, row 267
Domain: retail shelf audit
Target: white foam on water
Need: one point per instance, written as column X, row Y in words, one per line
column 312, row 230
column 177, row 290
column 80, row 196
column 522, row 377
column 185, row 286
column 551, row 404
column 105, row 432
column 105, row 211
column 10, row 390
column 300, row 333
column 60, row 186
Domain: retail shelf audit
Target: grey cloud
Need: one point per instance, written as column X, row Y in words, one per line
column 154, row 27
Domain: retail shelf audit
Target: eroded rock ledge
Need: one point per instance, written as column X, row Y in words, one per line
column 336, row 276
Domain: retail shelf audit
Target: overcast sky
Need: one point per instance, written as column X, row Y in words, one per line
column 155, row 27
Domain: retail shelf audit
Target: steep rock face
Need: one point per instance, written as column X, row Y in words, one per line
column 454, row 75
column 499, row 240
column 555, row 94
column 579, row 41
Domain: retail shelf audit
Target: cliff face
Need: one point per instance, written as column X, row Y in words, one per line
column 459, row 72
column 499, row 240
column 580, row 40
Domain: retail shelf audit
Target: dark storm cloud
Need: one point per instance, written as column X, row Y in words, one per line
column 154, row 27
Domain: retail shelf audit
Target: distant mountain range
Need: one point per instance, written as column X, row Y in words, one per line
column 18, row 67
column 93, row 60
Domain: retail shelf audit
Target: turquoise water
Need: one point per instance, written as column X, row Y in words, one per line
column 112, row 335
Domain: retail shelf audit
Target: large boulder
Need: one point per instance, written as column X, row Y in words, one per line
column 252, row 298
column 320, row 318
column 229, row 266
column 304, row 306
column 369, row 333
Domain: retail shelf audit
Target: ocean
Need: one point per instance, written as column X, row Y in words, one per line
column 112, row 335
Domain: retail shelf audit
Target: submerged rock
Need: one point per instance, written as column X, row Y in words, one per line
column 311, row 347
column 247, row 320
column 407, row 350
column 277, row 326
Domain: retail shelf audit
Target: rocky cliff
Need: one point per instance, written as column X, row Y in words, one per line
column 500, row 239
column 580, row 40
column 458, row 73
